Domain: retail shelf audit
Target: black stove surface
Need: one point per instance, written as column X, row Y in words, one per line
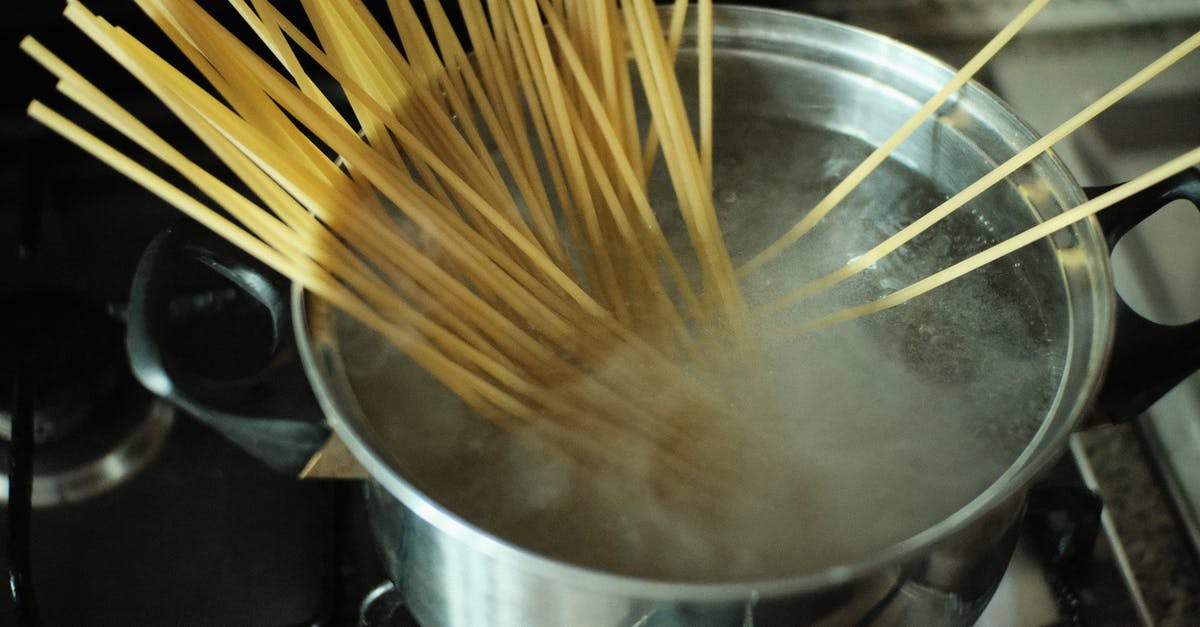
column 205, row 535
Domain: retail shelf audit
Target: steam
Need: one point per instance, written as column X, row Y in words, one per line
column 870, row 431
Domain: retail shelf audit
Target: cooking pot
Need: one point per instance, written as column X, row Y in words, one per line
column 799, row 100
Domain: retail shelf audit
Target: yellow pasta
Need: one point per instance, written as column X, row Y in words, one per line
column 489, row 213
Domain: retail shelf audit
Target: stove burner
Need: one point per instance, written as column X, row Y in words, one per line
column 66, row 349
column 99, row 456
column 93, row 426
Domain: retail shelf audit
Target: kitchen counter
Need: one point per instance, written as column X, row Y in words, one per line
column 1140, row 514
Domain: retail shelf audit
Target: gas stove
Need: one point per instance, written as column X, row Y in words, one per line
column 144, row 516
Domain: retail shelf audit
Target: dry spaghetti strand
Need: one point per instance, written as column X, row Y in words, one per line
column 880, row 154
column 1012, row 244
column 905, row 235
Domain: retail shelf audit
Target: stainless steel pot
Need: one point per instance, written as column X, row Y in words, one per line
column 846, row 81
column 828, row 82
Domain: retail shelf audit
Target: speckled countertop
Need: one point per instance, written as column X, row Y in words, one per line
column 1163, row 561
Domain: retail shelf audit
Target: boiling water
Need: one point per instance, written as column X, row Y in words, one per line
column 877, row 429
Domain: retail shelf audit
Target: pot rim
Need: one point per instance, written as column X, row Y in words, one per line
column 1041, row 451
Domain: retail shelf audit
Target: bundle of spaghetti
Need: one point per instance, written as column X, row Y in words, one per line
column 413, row 195
column 484, row 204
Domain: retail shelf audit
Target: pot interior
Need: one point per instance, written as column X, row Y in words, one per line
column 888, row 429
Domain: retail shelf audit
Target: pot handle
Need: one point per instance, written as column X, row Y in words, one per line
column 1148, row 359
column 210, row 330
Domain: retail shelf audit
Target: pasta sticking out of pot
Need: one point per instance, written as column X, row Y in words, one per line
column 553, row 307
column 485, row 205
column 908, row 233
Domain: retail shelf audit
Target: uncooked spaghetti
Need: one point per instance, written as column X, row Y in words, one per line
column 488, row 211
